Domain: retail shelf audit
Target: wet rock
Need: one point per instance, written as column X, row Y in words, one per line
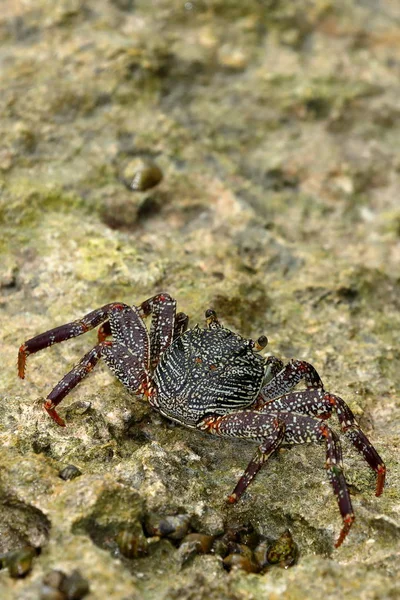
column 277, row 124
column 21, row 525
column 104, row 525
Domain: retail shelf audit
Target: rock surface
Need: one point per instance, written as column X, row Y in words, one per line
column 276, row 127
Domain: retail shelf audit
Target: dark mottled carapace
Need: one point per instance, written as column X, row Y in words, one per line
column 207, row 371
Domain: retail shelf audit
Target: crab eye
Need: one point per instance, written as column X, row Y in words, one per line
column 260, row 343
column 212, row 319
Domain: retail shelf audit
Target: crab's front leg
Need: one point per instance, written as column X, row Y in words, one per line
column 275, row 428
column 74, row 329
column 127, row 355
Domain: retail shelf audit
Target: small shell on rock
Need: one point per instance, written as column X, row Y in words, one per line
column 74, row 586
column 141, row 174
column 249, row 537
column 69, row 472
column 19, row 562
column 260, row 553
column 49, row 593
column 283, row 552
column 131, row 544
column 241, row 562
column 54, row 578
column 51, row 584
column 221, row 547
column 202, row 542
column 235, row 548
column 192, row 544
column 240, row 533
column 196, row 543
column 173, row 527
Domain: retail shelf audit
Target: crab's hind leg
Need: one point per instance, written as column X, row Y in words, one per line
column 65, row 332
column 320, row 404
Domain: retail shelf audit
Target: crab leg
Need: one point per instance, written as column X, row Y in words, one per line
column 68, row 331
column 264, row 451
column 321, row 404
column 126, row 366
column 274, row 429
column 127, row 355
column 337, row 480
column 250, row 425
column 163, row 309
column 289, row 377
column 70, row 380
column 180, row 325
column 274, row 366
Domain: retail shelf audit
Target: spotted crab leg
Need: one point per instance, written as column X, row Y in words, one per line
column 273, row 429
column 321, row 404
column 127, row 355
column 66, row 332
column 127, row 367
column 70, row 380
column 180, row 325
column 289, row 377
column 162, row 309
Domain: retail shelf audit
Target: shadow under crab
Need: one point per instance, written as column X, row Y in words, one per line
column 214, row 380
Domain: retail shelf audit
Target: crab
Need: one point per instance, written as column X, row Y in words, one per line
column 213, row 380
